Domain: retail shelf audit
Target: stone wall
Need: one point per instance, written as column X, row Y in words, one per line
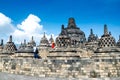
column 42, row 68
column 63, row 68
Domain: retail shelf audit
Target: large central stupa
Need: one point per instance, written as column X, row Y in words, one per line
column 71, row 34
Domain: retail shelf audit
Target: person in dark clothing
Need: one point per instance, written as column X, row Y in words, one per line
column 36, row 53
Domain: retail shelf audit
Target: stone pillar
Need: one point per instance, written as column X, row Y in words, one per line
column 1, row 42
column 105, row 30
column 44, row 35
column 10, row 39
column 24, row 41
column 71, row 23
column 91, row 31
column 62, row 27
column 32, row 38
column 51, row 36
column 109, row 33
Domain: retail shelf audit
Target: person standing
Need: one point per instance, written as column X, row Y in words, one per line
column 35, row 50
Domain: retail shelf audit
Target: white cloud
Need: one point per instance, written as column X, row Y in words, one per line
column 6, row 26
column 4, row 19
column 31, row 24
column 29, row 27
column 25, row 30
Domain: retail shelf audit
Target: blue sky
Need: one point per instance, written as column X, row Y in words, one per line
column 53, row 13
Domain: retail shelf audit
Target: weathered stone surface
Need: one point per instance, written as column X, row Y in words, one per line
column 6, row 76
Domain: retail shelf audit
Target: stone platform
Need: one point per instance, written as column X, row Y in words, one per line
column 6, row 76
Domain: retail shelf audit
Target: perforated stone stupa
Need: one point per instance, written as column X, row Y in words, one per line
column 92, row 43
column 23, row 45
column 44, row 42
column 51, row 40
column 106, row 39
column 32, row 42
column 26, row 48
column 92, row 37
column 9, row 46
column 107, row 42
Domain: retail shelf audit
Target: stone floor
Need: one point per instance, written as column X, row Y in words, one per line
column 6, row 76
